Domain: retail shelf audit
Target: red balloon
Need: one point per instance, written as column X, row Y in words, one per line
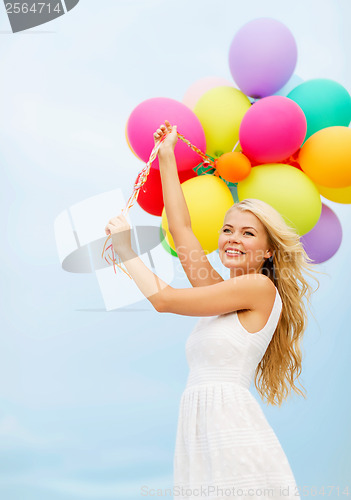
column 292, row 160
column 150, row 197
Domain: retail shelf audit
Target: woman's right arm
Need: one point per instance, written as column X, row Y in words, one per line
column 190, row 253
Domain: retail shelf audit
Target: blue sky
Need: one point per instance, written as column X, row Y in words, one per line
column 89, row 398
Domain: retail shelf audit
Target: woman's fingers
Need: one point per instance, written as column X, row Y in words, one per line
column 168, row 125
column 159, row 133
column 113, row 224
column 162, row 130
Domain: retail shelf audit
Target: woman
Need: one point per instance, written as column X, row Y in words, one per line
column 251, row 326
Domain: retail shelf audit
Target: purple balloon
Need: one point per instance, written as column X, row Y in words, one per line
column 262, row 57
column 324, row 239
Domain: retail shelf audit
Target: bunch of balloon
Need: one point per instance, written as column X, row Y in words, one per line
column 267, row 134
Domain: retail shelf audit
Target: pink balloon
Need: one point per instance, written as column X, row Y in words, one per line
column 150, row 114
column 200, row 87
column 272, row 129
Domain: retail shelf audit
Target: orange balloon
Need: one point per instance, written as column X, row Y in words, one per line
column 233, row 167
column 325, row 157
column 339, row 195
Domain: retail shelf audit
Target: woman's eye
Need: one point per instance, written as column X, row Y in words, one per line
column 246, row 232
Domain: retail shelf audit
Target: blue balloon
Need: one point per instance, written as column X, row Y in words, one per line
column 324, row 102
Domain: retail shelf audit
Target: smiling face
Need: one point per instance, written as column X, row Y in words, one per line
column 243, row 231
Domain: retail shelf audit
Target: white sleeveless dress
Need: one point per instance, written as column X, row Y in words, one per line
column 225, row 447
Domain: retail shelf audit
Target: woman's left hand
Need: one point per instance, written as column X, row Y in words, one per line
column 119, row 229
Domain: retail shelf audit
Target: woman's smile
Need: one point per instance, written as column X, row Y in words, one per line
column 230, row 253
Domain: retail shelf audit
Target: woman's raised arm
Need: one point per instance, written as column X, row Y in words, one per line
column 190, row 253
column 175, row 205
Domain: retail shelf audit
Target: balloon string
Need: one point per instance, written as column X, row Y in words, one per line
column 140, row 181
column 236, row 145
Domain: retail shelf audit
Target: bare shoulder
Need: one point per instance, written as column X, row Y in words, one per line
column 255, row 318
column 264, row 292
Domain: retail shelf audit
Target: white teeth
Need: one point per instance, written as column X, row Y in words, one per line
column 233, row 251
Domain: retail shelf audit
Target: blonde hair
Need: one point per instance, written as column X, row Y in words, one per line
column 281, row 363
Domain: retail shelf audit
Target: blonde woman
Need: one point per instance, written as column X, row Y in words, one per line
column 250, row 328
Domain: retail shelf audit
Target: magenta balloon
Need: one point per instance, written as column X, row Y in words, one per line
column 150, row 114
column 272, row 129
column 324, row 239
column 262, row 57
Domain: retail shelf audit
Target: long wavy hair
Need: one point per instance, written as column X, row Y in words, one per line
column 281, row 364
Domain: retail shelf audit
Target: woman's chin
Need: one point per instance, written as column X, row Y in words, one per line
column 231, row 265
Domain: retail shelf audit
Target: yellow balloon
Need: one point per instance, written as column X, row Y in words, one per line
column 339, row 195
column 208, row 199
column 326, row 157
column 220, row 111
column 288, row 190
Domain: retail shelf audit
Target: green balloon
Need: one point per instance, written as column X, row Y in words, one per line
column 165, row 244
column 324, row 102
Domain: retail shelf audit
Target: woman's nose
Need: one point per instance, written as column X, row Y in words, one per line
column 234, row 237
